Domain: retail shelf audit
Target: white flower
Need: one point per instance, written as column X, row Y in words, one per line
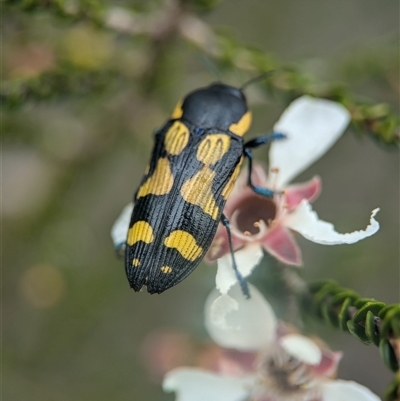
column 119, row 230
column 289, row 366
column 258, row 223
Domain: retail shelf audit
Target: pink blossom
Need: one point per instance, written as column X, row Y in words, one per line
column 264, row 360
column 258, row 219
column 262, row 224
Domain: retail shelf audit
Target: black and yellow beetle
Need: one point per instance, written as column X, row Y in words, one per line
column 194, row 165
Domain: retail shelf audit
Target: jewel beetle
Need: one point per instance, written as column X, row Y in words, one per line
column 194, row 164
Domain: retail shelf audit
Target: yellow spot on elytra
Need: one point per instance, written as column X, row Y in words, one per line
column 147, row 169
column 212, row 148
column 160, row 183
column 231, row 182
column 198, row 191
column 140, row 231
column 185, row 244
column 166, row 269
column 178, row 111
column 177, row 138
column 135, row 262
column 242, row 126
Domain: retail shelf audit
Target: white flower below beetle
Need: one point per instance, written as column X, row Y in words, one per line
column 266, row 224
column 119, row 230
column 269, row 364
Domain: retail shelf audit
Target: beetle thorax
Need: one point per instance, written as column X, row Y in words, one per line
column 218, row 106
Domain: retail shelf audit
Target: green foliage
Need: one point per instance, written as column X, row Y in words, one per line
column 287, row 82
column 201, row 5
column 92, row 10
column 392, row 392
column 63, row 81
column 368, row 320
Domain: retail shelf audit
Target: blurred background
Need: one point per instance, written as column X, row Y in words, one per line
column 72, row 328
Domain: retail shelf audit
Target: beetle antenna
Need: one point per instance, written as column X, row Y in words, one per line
column 258, row 78
column 210, row 67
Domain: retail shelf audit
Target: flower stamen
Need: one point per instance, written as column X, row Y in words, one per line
column 284, row 377
column 274, row 171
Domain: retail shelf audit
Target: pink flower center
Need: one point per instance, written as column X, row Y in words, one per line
column 286, row 378
column 253, row 209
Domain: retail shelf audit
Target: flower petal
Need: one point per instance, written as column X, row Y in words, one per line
column 280, row 243
column 246, row 259
column 305, row 221
column 241, row 190
column 342, row 390
column 329, row 363
column 302, row 348
column 236, row 362
column 119, row 230
column 220, row 244
column 192, row 384
column 294, row 194
column 220, row 309
column 236, row 322
column 312, row 126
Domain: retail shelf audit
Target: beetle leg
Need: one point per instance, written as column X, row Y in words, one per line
column 269, row 193
column 241, row 279
column 264, row 139
column 255, row 143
